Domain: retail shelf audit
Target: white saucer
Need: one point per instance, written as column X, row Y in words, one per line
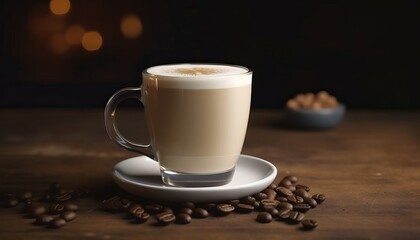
column 141, row 176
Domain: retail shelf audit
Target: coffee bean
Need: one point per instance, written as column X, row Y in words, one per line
column 285, row 183
column 57, row 223
column 281, row 199
column 153, row 208
column 234, row 202
column 284, row 205
column 56, row 208
column 165, row 218
column 248, row 200
column 283, row 213
column 264, row 217
column 301, row 207
column 43, row 219
column 125, row 203
column 112, row 204
column 312, row 202
column 36, row 209
column 309, row 224
column 12, row 202
column 210, row 207
column 62, row 196
column 319, row 198
column 293, row 199
column 71, row 207
column 301, row 193
column 25, row 196
column 183, row 218
column 271, row 194
column 292, row 188
column 306, row 188
column 274, row 212
column 200, row 213
column 292, row 179
column 272, row 186
column 269, row 203
column 283, row 192
column 295, row 216
column 244, row 208
column 136, row 210
column 167, row 209
column 68, row 215
column 141, row 218
column 260, row 196
column 185, row 210
column 190, row 205
column 224, row 209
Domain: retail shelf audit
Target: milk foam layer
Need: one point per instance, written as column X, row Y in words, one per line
column 198, row 76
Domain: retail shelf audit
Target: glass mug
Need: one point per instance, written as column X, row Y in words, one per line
column 196, row 116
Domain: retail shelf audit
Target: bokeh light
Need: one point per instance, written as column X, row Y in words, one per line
column 58, row 44
column 60, row 7
column 74, row 34
column 92, row 41
column 131, row 26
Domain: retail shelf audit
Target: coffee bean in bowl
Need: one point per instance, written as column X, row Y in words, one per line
column 314, row 111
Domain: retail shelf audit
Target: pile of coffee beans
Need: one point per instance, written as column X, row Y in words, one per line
column 286, row 201
column 54, row 208
column 318, row 101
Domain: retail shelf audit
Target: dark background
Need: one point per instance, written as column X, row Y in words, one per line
column 367, row 55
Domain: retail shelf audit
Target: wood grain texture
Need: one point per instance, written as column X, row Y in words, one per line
column 368, row 167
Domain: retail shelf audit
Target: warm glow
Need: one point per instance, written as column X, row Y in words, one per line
column 60, row 7
column 58, row 44
column 92, row 41
column 74, row 34
column 131, row 26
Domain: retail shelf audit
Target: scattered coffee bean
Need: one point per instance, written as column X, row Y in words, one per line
column 190, row 205
column 295, row 216
column 281, row 199
column 248, row 200
column 210, row 207
column 306, row 188
column 234, row 202
column 43, row 219
column 200, row 213
column 272, row 186
column 224, row 208
column 183, row 218
column 312, row 202
column 57, row 223
column 285, row 183
column 71, row 207
column 283, row 192
column 292, row 188
column 284, row 205
column 125, row 203
column 25, row 196
column 301, row 207
column 271, row 194
column 264, row 217
column 309, row 224
column 62, row 196
column 12, row 202
column 301, row 193
column 153, row 208
column 112, row 204
column 136, row 210
column 68, row 215
column 292, row 179
column 56, row 208
column 244, row 208
column 165, row 218
column 283, row 213
column 293, row 199
column 274, row 212
column 141, row 218
column 36, row 209
column 269, row 203
column 186, row 210
column 260, row 196
column 319, row 198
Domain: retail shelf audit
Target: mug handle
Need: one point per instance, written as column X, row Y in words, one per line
column 111, row 126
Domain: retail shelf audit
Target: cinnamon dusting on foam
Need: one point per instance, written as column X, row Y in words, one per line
column 195, row 71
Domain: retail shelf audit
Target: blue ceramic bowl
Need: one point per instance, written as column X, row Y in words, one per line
column 314, row 119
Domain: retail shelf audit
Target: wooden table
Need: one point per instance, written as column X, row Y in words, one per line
column 368, row 167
